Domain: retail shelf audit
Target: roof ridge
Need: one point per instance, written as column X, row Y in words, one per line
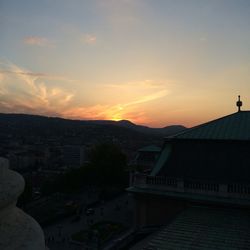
column 201, row 125
column 190, row 130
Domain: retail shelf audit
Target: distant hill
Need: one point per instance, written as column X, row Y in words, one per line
column 35, row 124
column 41, row 130
column 168, row 130
column 31, row 120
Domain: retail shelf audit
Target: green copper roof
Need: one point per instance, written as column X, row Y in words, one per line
column 231, row 127
column 201, row 228
column 162, row 159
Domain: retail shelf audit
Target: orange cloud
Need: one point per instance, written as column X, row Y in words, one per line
column 20, row 91
column 23, row 91
column 105, row 112
column 128, row 110
column 38, row 41
column 95, row 112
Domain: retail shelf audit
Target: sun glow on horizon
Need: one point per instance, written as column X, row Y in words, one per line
column 116, row 116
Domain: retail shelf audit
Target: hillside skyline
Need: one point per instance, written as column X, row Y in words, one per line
column 121, row 123
column 154, row 63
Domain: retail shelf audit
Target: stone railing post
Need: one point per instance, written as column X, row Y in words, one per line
column 180, row 184
column 223, row 189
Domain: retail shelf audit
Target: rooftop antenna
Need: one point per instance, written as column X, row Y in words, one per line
column 239, row 103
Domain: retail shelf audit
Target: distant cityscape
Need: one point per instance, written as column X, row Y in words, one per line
column 53, row 144
column 47, row 150
column 116, row 185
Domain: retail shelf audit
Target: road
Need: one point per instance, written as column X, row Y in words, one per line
column 58, row 235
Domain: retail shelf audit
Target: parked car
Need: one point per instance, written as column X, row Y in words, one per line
column 90, row 211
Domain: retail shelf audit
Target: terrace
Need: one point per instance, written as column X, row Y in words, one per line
column 186, row 188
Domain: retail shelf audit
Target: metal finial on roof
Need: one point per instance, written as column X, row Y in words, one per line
column 239, row 103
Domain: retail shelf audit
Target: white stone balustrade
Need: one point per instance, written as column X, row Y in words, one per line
column 162, row 183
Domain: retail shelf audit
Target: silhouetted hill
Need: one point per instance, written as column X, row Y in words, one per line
column 168, row 130
column 41, row 125
column 22, row 129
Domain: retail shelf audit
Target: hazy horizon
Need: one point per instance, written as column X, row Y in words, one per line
column 155, row 63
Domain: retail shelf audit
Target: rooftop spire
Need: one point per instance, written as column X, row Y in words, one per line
column 239, row 103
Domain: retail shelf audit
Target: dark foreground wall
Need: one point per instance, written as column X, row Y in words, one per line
column 154, row 210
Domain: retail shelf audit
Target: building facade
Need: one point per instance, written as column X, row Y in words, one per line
column 207, row 165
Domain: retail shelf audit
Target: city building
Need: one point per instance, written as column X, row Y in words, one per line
column 73, row 156
column 146, row 158
column 201, row 173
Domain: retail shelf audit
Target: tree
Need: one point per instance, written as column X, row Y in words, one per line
column 106, row 168
column 108, row 164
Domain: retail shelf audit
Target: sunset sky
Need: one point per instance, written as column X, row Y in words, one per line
column 154, row 62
